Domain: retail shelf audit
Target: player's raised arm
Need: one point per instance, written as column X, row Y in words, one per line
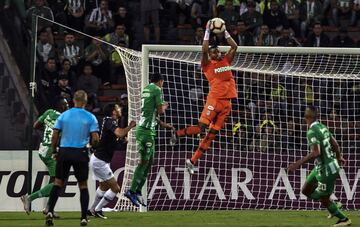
column 205, row 46
column 233, row 46
column 336, row 149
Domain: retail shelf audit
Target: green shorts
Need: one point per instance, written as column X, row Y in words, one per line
column 145, row 140
column 326, row 184
column 45, row 153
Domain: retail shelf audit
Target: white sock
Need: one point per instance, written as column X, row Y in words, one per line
column 108, row 197
column 99, row 195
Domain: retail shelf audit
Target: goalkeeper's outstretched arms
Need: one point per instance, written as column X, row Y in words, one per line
column 205, row 45
column 233, row 46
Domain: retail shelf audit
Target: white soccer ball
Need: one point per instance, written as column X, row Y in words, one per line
column 217, row 25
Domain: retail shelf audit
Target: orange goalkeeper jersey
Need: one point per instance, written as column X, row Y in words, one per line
column 221, row 80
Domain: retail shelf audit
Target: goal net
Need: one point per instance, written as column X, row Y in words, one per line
column 245, row 168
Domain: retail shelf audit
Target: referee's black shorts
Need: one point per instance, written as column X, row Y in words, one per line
column 78, row 158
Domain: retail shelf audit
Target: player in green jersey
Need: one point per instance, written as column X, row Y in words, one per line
column 325, row 151
column 46, row 121
column 152, row 105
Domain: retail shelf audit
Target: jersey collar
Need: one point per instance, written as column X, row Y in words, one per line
column 314, row 123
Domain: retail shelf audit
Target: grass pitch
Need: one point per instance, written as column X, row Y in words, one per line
column 240, row 218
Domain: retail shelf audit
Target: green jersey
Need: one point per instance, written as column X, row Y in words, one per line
column 151, row 98
column 48, row 119
column 326, row 163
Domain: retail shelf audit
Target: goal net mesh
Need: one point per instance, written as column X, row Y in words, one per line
column 245, row 168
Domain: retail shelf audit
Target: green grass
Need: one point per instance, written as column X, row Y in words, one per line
column 245, row 218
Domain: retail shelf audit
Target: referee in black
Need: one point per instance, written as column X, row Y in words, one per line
column 76, row 126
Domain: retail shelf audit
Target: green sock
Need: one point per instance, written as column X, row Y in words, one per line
column 144, row 177
column 138, row 176
column 334, row 209
column 43, row 192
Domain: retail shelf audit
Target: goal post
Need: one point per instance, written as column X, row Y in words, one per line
column 245, row 168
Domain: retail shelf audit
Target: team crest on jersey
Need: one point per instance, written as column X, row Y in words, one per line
column 148, row 144
column 314, row 140
column 210, row 107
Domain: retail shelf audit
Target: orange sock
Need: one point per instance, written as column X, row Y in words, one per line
column 191, row 130
column 196, row 156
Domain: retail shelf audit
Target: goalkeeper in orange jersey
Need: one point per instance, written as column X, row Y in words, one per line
column 217, row 70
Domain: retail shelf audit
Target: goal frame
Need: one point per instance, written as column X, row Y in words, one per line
column 147, row 48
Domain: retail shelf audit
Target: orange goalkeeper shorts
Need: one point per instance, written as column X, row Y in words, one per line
column 215, row 112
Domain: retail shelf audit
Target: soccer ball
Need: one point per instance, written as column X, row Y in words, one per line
column 217, row 25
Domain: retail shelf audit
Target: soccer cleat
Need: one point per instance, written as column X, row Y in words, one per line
column 84, row 222
column 344, row 222
column 26, row 202
column 190, row 166
column 132, row 197
column 90, row 213
column 173, row 138
column 55, row 215
column 339, row 205
column 49, row 219
column 140, row 199
column 100, row 214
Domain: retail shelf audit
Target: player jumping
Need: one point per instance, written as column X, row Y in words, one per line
column 152, row 105
column 217, row 70
column 325, row 150
column 46, row 120
column 101, row 158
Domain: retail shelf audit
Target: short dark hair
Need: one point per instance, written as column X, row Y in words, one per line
column 87, row 64
column 156, row 77
column 65, row 60
column 317, row 23
column 314, row 110
column 108, row 109
column 50, row 59
column 215, row 46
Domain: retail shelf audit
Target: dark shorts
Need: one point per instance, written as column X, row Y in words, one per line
column 150, row 17
column 78, row 158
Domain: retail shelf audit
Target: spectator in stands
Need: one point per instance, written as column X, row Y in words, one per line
column 47, row 77
column 90, row 84
column 40, row 9
column 344, row 9
column 290, row 136
column 291, row 9
column 342, row 40
column 62, row 89
column 44, row 47
column 252, row 18
column 19, row 5
column 202, row 11
column 100, row 21
column 125, row 110
column 122, row 17
column 317, row 38
column 229, row 15
column 242, row 36
column 199, row 35
column 90, row 6
column 150, row 16
column 245, row 4
column 278, row 97
column 57, row 7
column 75, row 10
column 70, row 50
column 357, row 11
column 96, row 53
column 221, row 6
column 175, row 9
column 274, row 17
column 119, row 38
column 264, row 139
column 265, row 38
column 287, row 39
column 66, row 71
column 310, row 12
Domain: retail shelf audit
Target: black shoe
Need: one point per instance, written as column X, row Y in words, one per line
column 49, row 219
column 343, row 222
column 100, row 214
column 84, row 222
column 90, row 213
